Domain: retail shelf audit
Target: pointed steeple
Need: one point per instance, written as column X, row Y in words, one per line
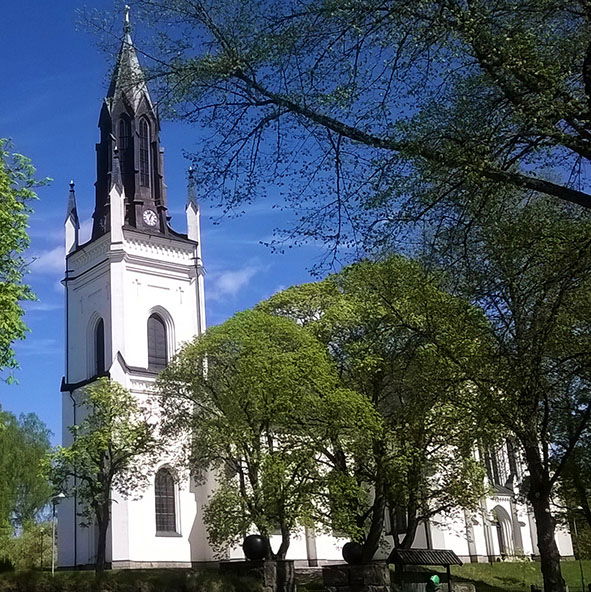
column 129, row 155
column 128, row 78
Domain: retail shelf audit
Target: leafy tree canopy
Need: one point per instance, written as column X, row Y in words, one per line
column 111, row 451
column 17, row 180
column 24, row 491
column 264, row 402
column 527, row 264
column 367, row 114
column 396, row 337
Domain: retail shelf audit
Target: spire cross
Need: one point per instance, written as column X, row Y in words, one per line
column 126, row 25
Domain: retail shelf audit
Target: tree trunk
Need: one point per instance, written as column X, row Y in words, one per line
column 376, row 527
column 549, row 555
column 410, row 534
column 539, row 497
column 285, row 540
column 270, row 556
column 101, row 549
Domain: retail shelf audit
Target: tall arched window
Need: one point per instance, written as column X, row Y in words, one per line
column 144, row 153
column 165, row 502
column 124, row 133
column 157, row 350
column 99, row 347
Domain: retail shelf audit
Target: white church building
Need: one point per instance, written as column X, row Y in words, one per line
column 135, row 292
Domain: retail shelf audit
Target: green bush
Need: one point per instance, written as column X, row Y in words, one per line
column 152, row 580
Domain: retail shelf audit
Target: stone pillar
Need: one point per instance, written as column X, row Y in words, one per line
column 274, row 576
column 369, row 577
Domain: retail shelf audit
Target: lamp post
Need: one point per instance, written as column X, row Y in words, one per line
column 55, row 500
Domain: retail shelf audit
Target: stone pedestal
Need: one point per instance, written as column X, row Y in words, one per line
column 274, row 576
column 369, row 577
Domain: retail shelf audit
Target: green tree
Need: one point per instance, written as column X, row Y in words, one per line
column 379, row 105
column 263, row 399
column 575, row 485
column 17, row 180
column 32, row 548
column 24, row 490
column 381, row 322
column 527, row 263
column 111, row 451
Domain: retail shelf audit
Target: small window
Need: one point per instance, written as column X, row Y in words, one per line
column 99, row 347
column 157, row 350
column 144, row 153
column 165, row 502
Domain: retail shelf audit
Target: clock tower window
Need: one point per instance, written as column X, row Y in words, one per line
column 144, row 155
column 124, row 133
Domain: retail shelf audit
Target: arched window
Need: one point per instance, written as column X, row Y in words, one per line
column 504, row 527
column 124, row 133
column 144, row 153
column 165, row 502
column 99, row 347
column 157, row 350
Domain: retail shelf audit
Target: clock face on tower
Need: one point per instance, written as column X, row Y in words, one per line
column 150, row 217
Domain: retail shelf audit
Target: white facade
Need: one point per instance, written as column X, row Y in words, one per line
column 122, row 278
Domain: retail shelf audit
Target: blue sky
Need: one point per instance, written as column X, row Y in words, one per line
column 52, row 80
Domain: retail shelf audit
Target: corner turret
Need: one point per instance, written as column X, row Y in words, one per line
column 71, row 223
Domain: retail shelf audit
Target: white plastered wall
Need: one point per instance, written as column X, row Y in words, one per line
column 123, row 282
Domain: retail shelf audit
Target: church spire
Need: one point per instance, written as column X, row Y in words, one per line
column 128, row 77
column 129, row 141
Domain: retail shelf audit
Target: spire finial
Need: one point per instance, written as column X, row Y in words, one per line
column 126, row 23
column 72, row 185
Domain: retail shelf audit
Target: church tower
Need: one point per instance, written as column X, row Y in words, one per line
column 134, row 293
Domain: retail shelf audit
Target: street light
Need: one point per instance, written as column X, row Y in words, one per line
column 55, row 500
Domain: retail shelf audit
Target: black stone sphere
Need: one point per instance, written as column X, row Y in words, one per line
column 254, row 547
column 352, row 553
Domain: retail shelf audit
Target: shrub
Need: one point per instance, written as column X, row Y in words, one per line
column 151, row 580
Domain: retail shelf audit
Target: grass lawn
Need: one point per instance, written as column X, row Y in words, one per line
column 498, row 577
column 518, row 576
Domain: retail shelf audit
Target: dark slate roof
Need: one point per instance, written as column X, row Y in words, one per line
column 424, row 557
column 502, row 490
